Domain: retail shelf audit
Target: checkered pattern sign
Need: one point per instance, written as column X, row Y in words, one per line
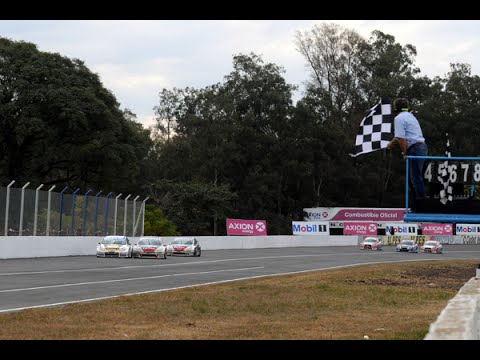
column 446, row 191
column 375, row 129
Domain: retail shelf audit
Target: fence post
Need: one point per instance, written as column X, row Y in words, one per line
column 22, row 200
column 48, row 209
column 133, row 216
column 36, row 210
column 115, row 216
column 125, row 216
column 7, row 204
column 85, row 202
column 61, row 211
column 143, row 217
column 74, row 197
column 96, row 213
column 105, row 218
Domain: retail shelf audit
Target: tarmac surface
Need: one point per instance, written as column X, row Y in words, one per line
column 55, row 281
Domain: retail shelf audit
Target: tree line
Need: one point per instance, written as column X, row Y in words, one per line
column 240, row 148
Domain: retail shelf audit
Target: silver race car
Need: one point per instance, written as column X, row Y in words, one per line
column 407, row 246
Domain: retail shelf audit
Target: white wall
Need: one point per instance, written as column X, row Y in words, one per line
column 43, row 246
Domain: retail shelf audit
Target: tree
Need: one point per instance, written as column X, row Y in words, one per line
column 59, row 125
column 157, row 224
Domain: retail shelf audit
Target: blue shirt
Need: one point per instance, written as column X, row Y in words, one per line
column 407, row 127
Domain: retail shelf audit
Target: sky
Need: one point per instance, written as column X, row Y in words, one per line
column 136, row 59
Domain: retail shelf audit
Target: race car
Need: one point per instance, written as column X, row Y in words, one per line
column 432, row 246
column 114, row 246
column 407, row 246
column 150, row 246
column 188, row 246
column 371, row 243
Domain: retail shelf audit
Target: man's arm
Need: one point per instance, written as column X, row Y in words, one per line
column 401, row 142
column 403, row 146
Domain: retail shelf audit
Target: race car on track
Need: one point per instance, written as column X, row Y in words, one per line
column 371, row 243
column 407, row 246
column 432, row 246
column 188, row 246
column 150, row 246
column 114, row 246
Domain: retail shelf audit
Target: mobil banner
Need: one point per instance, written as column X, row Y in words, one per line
column 375, row 215
column 359, row 228
column 467, row 229
column 401, row 229
column 310, row 228
column 437, row 229
column 246, row 227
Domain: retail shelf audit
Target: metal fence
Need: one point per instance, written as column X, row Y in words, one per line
column 70, row 212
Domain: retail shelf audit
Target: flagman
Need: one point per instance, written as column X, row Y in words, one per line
column 409, row 135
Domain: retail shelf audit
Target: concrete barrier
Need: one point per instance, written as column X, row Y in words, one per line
column 44, row 246
column 460, row 319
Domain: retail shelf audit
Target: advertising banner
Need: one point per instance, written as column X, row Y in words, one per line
column 467, row 229
column 401, row 229
column 246, row 227
column 437, row 229
column 354, row 214
column 359, row 228
column 310, row 228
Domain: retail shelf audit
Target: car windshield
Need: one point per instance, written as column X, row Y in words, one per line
column 430, row 243
column 156, row 242
column 406, row 242
column 370, row 240
column 114, row 241
column 182, row 242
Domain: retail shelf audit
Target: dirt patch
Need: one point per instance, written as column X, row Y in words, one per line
column 444, row 277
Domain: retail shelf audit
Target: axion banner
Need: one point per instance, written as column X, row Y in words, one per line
column 246, row 227
column 354, row 214
column 359, row 228
column 437, row 229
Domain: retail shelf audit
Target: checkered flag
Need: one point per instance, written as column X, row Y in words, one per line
column 375, row 129
column 443, row 176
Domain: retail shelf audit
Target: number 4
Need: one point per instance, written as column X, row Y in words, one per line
column 428, row 172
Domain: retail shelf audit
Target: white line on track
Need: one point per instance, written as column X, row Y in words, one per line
column 130, row 279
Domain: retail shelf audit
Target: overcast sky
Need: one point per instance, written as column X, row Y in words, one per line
column 135, row 59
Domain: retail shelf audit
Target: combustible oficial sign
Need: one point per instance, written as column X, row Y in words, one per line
column 246, row 227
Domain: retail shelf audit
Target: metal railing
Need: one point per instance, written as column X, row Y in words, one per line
column 28, row 212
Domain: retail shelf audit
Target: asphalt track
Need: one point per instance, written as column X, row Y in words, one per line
column 55, row 281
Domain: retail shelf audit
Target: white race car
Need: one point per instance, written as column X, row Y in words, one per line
column 150, row 246
column 114, row 246
column 432, row 246
column 188, row 246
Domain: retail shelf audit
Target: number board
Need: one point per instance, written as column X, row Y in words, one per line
column 459, row 171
